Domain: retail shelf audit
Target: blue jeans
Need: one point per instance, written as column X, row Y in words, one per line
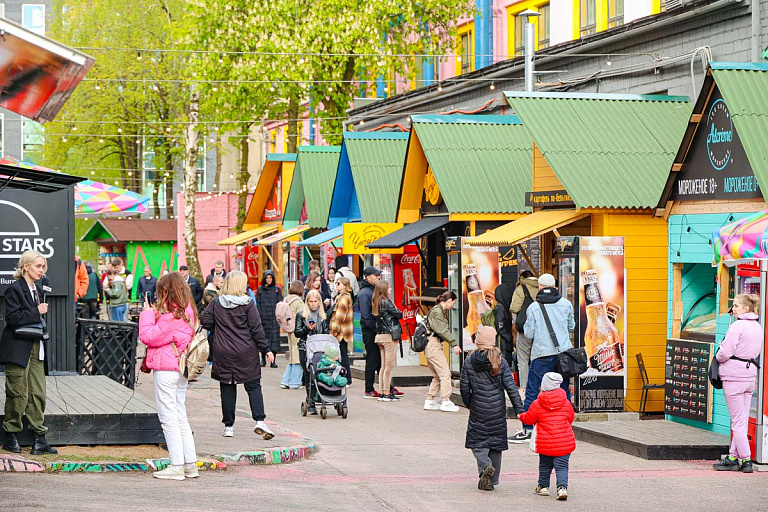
column 539, row 367
column 118, row 312
column 560, row 464
column 292, row 376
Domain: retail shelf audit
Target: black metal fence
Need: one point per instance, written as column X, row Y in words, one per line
column 107, row 348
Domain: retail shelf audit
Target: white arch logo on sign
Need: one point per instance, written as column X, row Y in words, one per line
column 26, row 238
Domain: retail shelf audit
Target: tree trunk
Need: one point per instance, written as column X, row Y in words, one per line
column 293, row 124
column 217, row 177
column 191, row 143
column 337, row 111
column 242, row 181
column 169, row 198
column 157, row 183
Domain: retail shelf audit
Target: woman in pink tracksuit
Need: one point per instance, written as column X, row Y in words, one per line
column 738, row 372
column 166, row 328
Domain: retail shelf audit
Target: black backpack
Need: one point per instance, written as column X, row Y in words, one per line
column 420, row 337
column 521, row 316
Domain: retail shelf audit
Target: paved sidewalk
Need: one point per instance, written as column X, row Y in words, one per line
column 384, row 457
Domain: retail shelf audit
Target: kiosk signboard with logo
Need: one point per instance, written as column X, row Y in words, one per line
column 45, row 222
column 717, row 166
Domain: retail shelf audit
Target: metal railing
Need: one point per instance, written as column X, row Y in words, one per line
column 107, row 348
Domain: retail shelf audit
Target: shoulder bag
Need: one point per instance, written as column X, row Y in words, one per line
column 570, row 363
column 714, row 370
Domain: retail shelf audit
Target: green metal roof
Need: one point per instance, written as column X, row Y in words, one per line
column 482, row 164
column 376, row 161
column 316, row 168
column 608, row 151
column 745, row 91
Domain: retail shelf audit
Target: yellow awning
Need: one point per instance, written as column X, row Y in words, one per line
column 249, row 235
column 526, row 228
column 283, row 235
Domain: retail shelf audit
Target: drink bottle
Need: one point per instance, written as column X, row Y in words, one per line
column 601, row 338
column 475, row 297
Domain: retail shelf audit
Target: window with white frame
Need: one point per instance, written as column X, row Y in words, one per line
column 153, row 175
column 615, row 13
column 33, row 18
column 544, row 26
column 587, row 19
column 32, row 139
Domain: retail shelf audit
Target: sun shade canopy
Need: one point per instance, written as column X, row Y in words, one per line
column 245, row 236
column 324, row 237
column 410, row 233
column 283, row 235
column 527, row 227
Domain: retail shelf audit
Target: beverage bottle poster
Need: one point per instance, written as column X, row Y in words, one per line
column 407, row 276
column 602, row 325
column 480, row 276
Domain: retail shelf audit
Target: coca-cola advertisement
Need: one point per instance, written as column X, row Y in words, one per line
column 407, row 276
column 602, row 321
column 480, row 275
column 274, row 207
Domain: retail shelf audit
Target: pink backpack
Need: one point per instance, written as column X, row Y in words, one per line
column 284, row 315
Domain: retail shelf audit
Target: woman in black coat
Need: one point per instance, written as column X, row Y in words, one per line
column 484, row 378
column 267, row 297
column 25, row 359
column 311, row 320
column 238, row 339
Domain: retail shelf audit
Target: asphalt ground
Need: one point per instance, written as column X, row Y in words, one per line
column 385, row 456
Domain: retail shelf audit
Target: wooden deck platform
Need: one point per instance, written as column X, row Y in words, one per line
column 94, row 410
column 654, row 439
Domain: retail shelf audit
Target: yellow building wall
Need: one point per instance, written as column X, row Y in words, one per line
column 645, row 248
column 544, row 178
column 412, row 188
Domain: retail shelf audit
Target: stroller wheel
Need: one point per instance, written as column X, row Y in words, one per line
column 303, row 408
column 338, row 409
column 323, row 412
column 344, row 411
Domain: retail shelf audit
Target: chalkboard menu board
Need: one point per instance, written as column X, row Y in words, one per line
column 687, row 391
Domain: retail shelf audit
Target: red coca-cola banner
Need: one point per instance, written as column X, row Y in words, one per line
column 407, row 276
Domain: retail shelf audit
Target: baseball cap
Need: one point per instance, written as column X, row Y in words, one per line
column 183, row 267
column 371, row 271
column 546, row 280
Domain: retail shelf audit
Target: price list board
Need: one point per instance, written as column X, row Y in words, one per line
column 687, row 391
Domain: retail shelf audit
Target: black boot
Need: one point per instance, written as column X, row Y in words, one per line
column 41, row 447
column 11, row 444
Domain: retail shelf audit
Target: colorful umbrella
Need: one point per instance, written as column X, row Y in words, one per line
column 744, row 239
column 93, row 197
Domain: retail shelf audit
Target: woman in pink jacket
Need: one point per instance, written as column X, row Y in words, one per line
column 166, row 329
column 738, row 372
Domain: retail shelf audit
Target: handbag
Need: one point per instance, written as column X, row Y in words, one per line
column 714, row 370
column 194, row 358
column 30, row 332
column 571, row 362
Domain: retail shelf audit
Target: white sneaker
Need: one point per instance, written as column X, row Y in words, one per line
column 170, row 473
column 190, row 470
column 448, row 406
column 431, row 405
column 229, row 432
column 562, row 493
column 262, row 430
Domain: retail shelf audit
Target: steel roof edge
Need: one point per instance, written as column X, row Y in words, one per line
column 739, row 66
column 376, row 135
column 595, row 96
column 466, row 119
column 281, row 157
column 319, row 149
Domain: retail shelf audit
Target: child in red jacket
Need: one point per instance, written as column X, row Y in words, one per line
column 552, row 413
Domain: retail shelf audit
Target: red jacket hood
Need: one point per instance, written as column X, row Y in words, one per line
column 552, row 400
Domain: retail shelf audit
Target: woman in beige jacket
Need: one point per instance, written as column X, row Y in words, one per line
column 293, row 371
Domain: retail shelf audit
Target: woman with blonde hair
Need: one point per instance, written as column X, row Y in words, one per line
column 293, row 372
column 24, row 356
column 166, row 328
column 238, row 340
column 310, row 320
column 738, row 370
column 342, row 322
column 388, row 333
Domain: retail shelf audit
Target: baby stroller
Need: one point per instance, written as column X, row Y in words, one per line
column 319, row 392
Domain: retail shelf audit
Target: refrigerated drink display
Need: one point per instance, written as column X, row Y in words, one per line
column 475, row 297
column 601, row 338
column 409, row 287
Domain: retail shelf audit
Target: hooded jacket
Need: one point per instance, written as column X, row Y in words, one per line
column 483, row 395
column 560, row 313
column 552, row 414
column 502, row 319
column 157, row 333
column 267, row 297
column 742, row 340
column 364, row 299
column 519, row 295
column 238, row 338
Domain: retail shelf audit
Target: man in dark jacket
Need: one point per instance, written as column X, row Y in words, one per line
column 267, row 297
column 371, row 276
column 147, row 286
column 194, row 285
column 93, row 294
column 503, row 321
column 217, row 270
